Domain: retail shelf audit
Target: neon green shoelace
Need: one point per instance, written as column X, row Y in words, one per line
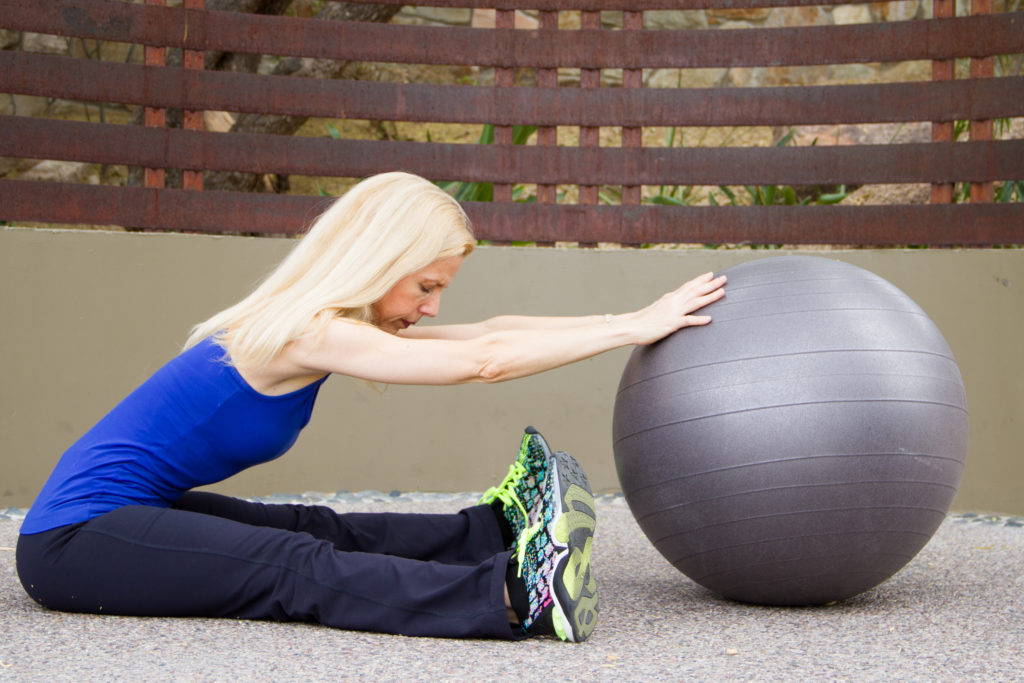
column 505, row 492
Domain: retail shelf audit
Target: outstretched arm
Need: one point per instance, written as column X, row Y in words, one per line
column 526, row 346
column 500, row 323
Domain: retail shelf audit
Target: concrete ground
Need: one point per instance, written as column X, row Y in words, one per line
column 955, row 613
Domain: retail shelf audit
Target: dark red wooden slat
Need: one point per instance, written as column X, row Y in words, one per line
column 81, row 79
column 162, row 209
column 598, row 5
column 160, row 148
column 233, row 32
column 950, row 224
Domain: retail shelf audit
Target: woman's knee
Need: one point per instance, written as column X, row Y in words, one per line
column 39, row 566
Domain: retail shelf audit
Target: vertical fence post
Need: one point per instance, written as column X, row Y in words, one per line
column 193, row 119
column 504, row 77
column 632, row 137
column 590, row 136
column 547, row 136
column 982, row 67
column 942, row 70
column 154, row 117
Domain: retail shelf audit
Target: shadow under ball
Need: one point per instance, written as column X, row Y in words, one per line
column 801, row 448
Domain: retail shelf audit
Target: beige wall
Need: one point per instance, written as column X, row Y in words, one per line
column 88, row 315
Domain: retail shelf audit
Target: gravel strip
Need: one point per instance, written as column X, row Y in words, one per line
column 952, row 614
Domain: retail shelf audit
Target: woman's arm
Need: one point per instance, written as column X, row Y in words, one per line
column 500, row 323
column 365, row 352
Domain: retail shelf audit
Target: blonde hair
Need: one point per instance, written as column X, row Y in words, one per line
column 383, row 229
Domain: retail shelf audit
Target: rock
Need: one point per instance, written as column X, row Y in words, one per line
column 39, row 42
column 218, row 121
column 853, row 73
column 796, row 75
column 691, row 78
column 439, row 16
column 15, row 166
column 890, row 194
column 900, row 10
column 798, row 16
column 63, row 172
column 851, row 14
column 754, row 15
column 905, row 72
column 675, row 19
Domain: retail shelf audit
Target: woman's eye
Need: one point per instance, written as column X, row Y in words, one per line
column 425, row 290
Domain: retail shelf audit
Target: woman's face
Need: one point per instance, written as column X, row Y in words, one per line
column 415, row 296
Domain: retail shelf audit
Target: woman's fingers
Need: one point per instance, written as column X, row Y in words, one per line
column 708, row 297
column 701, row 291
column 709, row 283
column 695, row 320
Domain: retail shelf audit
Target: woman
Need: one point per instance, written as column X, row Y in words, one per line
column 117, row 528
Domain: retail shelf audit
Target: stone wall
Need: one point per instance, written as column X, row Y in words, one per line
column 767, row 17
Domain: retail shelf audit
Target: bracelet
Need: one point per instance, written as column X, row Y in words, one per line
column 607, row 318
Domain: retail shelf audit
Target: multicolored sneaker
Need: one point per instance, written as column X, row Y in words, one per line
column 555, row 562
column 520, row 494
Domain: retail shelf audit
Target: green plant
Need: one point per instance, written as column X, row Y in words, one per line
column 672, row 195
column 484, row 192
column 786, row 195
column 1009, row 191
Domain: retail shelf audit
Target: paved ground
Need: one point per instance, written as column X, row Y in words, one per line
column 955, row 613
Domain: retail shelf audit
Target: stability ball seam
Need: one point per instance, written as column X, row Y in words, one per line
column 817, row 456
column 777, row 406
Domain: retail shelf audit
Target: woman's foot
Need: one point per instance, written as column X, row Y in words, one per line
column 550, row 580
column 518, row 498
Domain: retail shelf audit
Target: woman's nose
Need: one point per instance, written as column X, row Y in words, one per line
column 431, row 306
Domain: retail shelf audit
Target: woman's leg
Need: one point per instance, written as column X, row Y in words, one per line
column 466, row 537
column 165, row 562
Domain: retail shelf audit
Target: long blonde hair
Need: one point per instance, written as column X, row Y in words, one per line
column 383, row 229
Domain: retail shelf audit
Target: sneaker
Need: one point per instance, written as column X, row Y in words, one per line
column 555, row 563
column 519, row 496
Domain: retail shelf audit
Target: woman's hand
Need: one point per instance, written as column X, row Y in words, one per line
column 674, row 310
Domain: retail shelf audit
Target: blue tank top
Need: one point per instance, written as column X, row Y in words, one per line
column 194, row 422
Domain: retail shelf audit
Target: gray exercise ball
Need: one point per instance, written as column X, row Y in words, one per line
column 801, row 448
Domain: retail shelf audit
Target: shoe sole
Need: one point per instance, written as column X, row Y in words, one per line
column 573, row 587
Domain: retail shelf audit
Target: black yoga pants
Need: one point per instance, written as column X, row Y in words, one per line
column 215, row 556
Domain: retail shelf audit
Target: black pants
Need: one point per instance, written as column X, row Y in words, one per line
column 214, row 556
